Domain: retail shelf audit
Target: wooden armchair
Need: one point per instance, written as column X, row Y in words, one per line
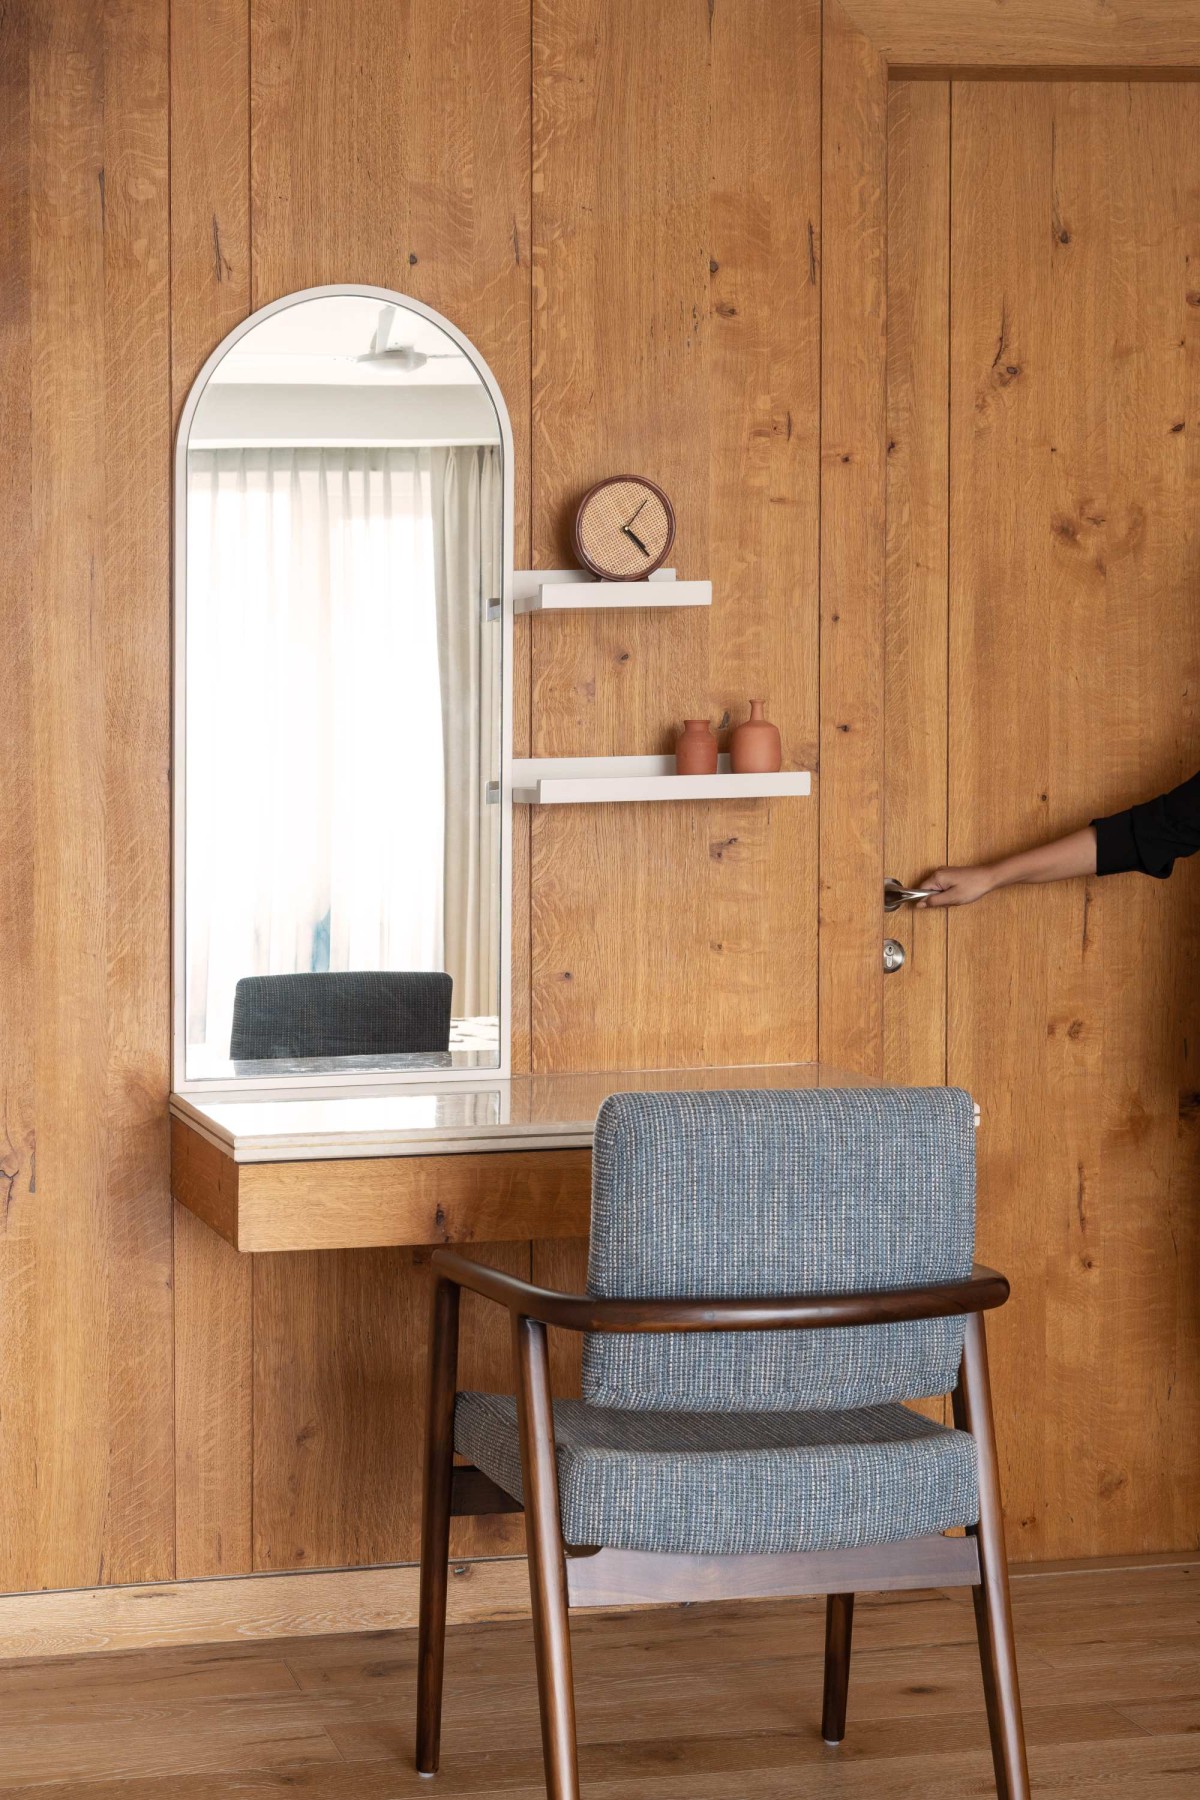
column 711, row 1457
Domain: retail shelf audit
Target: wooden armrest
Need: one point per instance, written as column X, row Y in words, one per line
column 980, row 1292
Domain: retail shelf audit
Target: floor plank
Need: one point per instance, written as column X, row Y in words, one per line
column 696, row 1703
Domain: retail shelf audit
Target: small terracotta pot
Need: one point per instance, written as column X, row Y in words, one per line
column 754, row 747
column 696, row 749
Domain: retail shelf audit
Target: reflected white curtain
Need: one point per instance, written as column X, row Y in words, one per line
column 315, row 786
column 467, row 553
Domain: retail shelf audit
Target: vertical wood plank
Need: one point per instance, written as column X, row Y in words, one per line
column 561, row 1264
column 135, row 237
column 389, row 145
column 18, row 808
column 917, row 598
column 1140, row 1228
column 210, row 180
column 764, row 511
column 621, row 321
column 1075, row 669
column 917, row 622
column 675, row 320
column 210, row 294
column 213, row 1402
column 853, row 547
column 88, row 1220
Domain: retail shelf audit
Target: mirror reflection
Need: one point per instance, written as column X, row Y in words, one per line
column 342, row 694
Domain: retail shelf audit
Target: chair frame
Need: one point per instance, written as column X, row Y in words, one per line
column 562, row 1575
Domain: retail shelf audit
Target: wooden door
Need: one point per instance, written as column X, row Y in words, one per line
column 1042, row 658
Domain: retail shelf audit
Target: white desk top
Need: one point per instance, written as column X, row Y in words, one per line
column 528, row 1112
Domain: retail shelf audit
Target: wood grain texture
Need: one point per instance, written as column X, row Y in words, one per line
column 853, row 543
column 675, row 330
column 339, row 1404
column 85, row 1264
column 213, row 1402
column 1087, row 34
column 379, row 1201
column 1075, row 666
column 206, row 1181
column 917, row 617
column 385, row 1200
column 18, row 808
column 179, row 1613
column 561, row 1264
column 723, row 1701
column 210, row 294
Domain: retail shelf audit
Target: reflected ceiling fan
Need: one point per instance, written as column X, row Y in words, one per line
column 398, row 356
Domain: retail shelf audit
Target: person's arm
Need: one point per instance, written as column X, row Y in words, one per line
column 1145, row 839
column 1057, row 861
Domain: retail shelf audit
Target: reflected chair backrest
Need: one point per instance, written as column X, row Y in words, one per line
column 351, row 1013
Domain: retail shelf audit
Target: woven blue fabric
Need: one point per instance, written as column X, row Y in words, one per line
column 703, row 1484
column 761, row 1192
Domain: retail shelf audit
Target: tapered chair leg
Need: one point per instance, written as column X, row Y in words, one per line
column 839, row 1624
column 435, row 1524
column 547, row 1571
column 993, row 1609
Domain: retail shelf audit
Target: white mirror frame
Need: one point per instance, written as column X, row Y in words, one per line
column 374, row 1081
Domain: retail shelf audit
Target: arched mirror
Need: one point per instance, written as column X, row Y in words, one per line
column 343, row 637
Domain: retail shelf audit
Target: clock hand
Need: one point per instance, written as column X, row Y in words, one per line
column 630, row 533
column 633, row 515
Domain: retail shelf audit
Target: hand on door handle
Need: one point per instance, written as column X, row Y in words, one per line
column 895, row 894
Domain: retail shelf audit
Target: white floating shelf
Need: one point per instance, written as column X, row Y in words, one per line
column 591, row 780
column 572, row 590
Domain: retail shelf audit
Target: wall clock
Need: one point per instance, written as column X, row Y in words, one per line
column 624, row 528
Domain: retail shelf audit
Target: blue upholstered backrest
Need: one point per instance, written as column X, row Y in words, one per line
column 815, row 1191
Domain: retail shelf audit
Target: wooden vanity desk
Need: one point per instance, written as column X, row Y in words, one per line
column 501, row 1160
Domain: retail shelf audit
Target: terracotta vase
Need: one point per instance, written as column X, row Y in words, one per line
column 696, row 749
column 754, row 747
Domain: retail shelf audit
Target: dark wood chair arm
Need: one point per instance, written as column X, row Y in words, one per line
column 980, row 1292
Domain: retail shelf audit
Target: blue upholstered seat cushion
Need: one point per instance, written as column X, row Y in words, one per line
column 770, row 1192
column 707, row 1484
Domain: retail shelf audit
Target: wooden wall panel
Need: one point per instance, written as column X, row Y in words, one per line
column 388, row 145
column 87, row 1471
column 1074, row 675
column 853, row 543
column 18, row 809
column 214, row 1415
column 210, row 294
column 915, row 637
column 339, row 1398
column 624, row 207
column 676, row 313
column 134, row 728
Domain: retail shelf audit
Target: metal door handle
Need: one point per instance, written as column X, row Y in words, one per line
column 895, row 894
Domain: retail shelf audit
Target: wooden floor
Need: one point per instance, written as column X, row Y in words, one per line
column 715, row 1703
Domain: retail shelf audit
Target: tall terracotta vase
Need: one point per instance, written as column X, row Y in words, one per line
column 754, row 747
column 696, row 749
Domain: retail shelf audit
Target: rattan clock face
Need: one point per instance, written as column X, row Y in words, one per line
column 624, row 528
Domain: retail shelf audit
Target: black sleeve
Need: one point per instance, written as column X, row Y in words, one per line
column 1149, row 837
